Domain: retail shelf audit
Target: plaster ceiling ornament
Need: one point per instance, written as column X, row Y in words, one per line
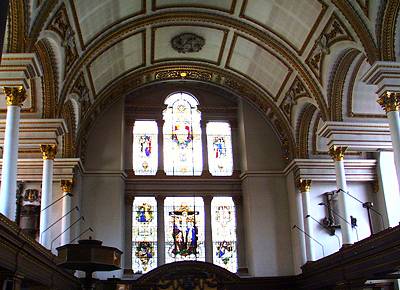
column 187, row 43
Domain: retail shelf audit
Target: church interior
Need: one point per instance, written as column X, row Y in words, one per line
column 194, row 145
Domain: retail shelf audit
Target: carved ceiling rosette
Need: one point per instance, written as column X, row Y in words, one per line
column 187, row 43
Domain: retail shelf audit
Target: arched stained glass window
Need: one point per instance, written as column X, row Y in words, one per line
column 145, row 148
column 144, row 234
column 224, row 233
column 219, row 144
column 182, row 136
column 184, row 229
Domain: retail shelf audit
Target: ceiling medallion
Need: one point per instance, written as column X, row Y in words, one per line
column 187, row 42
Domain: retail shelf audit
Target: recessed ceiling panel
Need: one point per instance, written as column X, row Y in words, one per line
column 255, row 62
column 293, row 20
column 210, row 52
column 224, row 5
column 124, row 56
column 94, row 16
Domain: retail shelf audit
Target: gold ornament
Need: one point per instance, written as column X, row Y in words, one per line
column 390, row 101
column 304, row 185
column 49, row 151
column 337, row 152
column 15, row 96
column 66, row 186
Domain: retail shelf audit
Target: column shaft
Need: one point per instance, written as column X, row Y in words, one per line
column 47, row 196
column 307, row 226
column 66, row 221
column 160, row 231
column 10, row 159
column 394, row 124
column 208, row 231
column 300, row 223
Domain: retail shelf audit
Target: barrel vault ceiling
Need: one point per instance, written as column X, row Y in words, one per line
column 281, row 55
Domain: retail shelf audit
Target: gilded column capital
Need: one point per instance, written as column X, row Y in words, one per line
column 15, row 96
column 48, row 151
column 66, row 186
column 337, row 152
column 390, row 101
column 304, row 185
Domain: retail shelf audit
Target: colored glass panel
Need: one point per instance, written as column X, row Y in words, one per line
column 224, row 233
column 145, row 148
column 184, row 229
column 219, row 144
column 182, row 136
column 144, row 234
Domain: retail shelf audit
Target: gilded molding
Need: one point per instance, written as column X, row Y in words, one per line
column 68, row 114
column 49, row 151
column 390, row 101
column 360, row 29
column 66, row 186
column 337, row 83
column 17, row 27
column 303, row 130
column 304, row 185
column 15, row 96
column 388, row 30
column 337, row 152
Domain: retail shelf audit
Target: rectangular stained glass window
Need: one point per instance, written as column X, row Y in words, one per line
column 219, row 145
column 145, row 148
column 224, row 233
column 144, row 234
column 184, row 229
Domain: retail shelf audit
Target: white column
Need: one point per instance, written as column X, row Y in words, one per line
column 128, row 235
column 208, row 231
column 66, row 186
column 300, row 222
column 49, row 152
column 337, row 154
column 240, row 243
column 304, row 187
column 160, row 230
column 390, row 102
column 14, row 99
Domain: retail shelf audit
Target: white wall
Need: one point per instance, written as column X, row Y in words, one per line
column 103, row 184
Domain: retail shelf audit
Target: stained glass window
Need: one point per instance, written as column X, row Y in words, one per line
column 182, row 136
column 184, row 229
column 219, row 144
column 224, row 233
column 145, row 158
column 144, row 234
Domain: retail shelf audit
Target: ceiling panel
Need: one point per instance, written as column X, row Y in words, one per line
column 122, row 57
column 211, row 52
column 255, row 62
column 94, row 16
column 293, row 20
column 224, row 5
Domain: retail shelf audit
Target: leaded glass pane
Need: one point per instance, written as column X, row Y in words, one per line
column 144, row 234
column 224, row 233
column 182, row 136
column 184, row 229
column 145, row 148
column 219, row 144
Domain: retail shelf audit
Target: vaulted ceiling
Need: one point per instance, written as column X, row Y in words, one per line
column 291, row 58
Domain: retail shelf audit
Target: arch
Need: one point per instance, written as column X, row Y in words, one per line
column 388, row 30
column 337, row 83
column 50, row 87
column 68, row 115
column 303, row 129
column 239, row 86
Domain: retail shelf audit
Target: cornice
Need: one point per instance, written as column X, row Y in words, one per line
column 360, row 29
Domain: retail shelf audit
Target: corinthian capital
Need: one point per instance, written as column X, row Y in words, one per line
column 304, row 185
column 15, row 96
column 390, row 101
column 337, row 152
column 48, row 151
column 66, row 186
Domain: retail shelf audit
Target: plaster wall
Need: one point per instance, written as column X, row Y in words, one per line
column 103, row 186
